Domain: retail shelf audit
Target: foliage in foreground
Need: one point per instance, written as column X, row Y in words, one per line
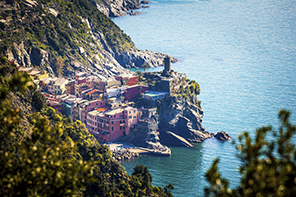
column 57, row 157
column 40, row 164
column 268, row 166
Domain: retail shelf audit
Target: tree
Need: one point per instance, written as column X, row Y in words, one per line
column 268, row 166
column 145, row 66
column 38, row 100
column 59, row 65
column 40, row 164
column 139, row 73
column 141, row 179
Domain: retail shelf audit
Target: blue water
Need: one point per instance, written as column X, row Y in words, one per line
column 243, row 54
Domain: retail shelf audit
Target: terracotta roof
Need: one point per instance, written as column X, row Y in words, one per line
column 102, row 109
column 95, row 90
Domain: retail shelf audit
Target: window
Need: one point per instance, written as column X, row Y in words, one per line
column 112, row 122
column 96, row 103
column 129, row 111
column 101, row 103
column 134, row 116
column 130, row 117
column 112, row 128
column 120, row 127
column 114, row 116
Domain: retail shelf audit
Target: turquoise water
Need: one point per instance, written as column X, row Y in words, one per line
column 243, row 54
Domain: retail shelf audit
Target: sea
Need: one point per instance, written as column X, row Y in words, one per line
column 243, row 55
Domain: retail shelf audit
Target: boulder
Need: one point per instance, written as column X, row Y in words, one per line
column 134, row 13
column 145, row 2
column 222, row 135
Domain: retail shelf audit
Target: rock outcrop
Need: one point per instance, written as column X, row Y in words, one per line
column 174, row 140
column 178, row 123
column 115, row 8
column 182, row 117
column 222, row 135
column 132, row 13
column 147, row 132
column 134, row 58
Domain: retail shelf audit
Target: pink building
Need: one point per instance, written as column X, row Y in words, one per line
column 110, row 125
column 89, row 106
column 133, row 91
column 81, row 80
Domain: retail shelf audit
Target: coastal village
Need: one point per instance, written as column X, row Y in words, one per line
column 106, row 107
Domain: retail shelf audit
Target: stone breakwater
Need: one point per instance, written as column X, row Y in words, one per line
column 123, row 152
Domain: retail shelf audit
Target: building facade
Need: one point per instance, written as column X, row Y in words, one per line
column 110, row 125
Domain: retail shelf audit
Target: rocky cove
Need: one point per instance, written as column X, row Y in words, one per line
column 174, row 120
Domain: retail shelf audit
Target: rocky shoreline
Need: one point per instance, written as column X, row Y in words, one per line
column 135, row 58
column 117, row 8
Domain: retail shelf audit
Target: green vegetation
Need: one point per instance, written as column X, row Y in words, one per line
column 38, row 100
column 268, row 165
column 46, row 154
column 188, row 89
column 61, row 35
column 145, row 66
column 139, row 73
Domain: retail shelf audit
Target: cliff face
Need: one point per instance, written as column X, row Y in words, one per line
column 134, row 58
column 183, row 117
column 41, row 34
column 178, row 123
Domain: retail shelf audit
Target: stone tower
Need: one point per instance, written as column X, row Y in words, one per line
column 167, row 64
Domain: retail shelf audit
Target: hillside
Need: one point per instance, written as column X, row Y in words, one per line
column 45, row 153
column 62, row 37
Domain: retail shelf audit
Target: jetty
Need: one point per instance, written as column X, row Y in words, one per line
column 123, row 152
